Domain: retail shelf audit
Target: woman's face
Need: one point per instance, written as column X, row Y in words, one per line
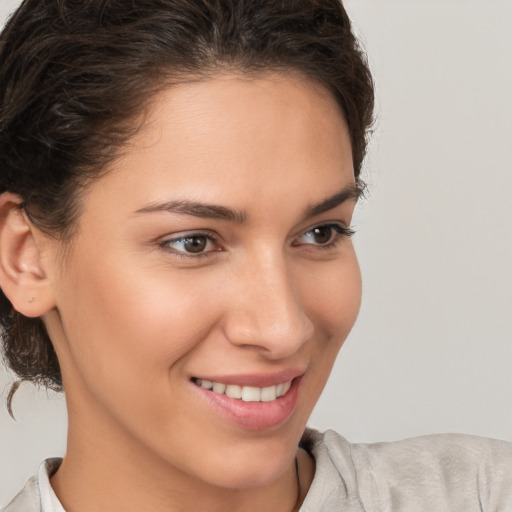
column 213, row 260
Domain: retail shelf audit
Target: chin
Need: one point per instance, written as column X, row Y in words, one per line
column 245, row 474
column 248, row 463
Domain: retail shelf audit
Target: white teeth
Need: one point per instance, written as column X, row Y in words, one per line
column 246, row 393
column 207, row 384
column 251, row 394
column 282, row 389
column 219, row 388
column 268, row 394
column 233, row 391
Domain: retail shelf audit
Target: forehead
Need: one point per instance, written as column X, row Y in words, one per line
column 216, row 139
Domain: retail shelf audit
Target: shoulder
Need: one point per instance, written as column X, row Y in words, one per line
column 27, row 500
column 437, row 472
column 448, row 472
column 37, row 495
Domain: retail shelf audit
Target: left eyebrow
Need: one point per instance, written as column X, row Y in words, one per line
column 350, row 193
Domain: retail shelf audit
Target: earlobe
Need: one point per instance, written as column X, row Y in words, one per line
column 23, row 278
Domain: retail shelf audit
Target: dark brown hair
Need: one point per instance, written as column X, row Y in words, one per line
column 75, row 76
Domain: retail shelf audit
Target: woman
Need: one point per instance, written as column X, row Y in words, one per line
column 178, row 181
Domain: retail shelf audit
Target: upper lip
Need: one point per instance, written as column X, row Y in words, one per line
column 258, row 380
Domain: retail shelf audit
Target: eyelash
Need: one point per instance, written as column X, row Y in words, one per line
column 208, row 235
column 341, row 232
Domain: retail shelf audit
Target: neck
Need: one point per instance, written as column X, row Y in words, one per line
column 109, row 472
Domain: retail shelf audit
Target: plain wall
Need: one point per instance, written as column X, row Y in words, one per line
column 432, row 349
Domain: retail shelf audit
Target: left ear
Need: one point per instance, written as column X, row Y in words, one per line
column 23, row 277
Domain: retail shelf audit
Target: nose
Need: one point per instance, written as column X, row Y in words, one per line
column 267, row 311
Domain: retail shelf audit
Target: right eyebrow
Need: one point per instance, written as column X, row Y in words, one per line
column 197, row 209
column 351, row 192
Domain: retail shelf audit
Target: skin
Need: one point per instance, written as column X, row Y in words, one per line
column 133, row 316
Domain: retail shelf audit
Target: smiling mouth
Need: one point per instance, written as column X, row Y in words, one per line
column 245, row 393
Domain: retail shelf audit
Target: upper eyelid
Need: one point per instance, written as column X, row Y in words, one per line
column 166, row 244
column 166, row 241
column 345, row 231
column 339, row 223
column 190, row 233
column 328, row 223
column 215, row 236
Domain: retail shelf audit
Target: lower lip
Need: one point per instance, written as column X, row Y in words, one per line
column 253, row 415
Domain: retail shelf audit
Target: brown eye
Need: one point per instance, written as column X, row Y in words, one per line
column 191, row 245
column 322, row 234
column 195, row 243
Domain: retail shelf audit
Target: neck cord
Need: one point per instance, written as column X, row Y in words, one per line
column 297, row 501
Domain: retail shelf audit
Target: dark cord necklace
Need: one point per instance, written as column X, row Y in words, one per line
column 297, row 501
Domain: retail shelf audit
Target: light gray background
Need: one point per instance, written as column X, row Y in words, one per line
column 432, row 349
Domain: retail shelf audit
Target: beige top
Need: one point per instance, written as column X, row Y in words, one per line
column 437, row 473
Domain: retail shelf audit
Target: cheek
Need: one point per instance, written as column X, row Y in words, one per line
column 332, row 295
column 333, row 298
column 126, row 329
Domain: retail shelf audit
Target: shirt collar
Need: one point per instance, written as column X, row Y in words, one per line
column 49, row 500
